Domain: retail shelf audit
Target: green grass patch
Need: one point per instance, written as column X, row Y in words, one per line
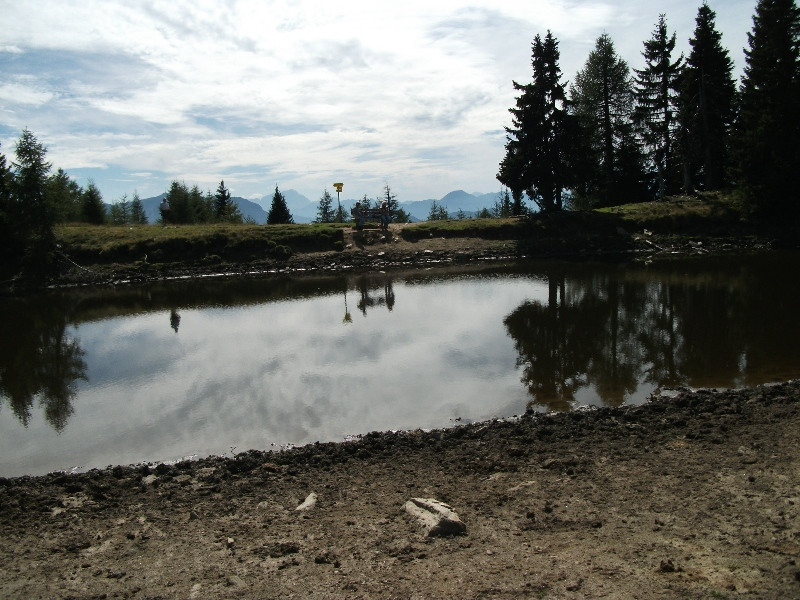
column 493, row 229
column 707, row 213
column 92, row 244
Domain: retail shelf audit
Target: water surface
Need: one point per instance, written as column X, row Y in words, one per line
column 162, row 372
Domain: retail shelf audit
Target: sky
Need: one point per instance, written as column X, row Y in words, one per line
column 301, row 93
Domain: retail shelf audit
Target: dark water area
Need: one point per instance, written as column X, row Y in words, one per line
column 92, row 377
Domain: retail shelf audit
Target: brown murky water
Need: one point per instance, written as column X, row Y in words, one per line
column 116, row 376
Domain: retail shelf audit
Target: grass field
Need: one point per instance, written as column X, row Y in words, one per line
column 213, row 242
column 710, row 214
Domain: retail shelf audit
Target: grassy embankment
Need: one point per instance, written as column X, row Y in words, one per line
column 198, row 244
column 608, row 229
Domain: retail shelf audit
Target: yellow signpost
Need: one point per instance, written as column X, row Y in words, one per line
column 338, row 187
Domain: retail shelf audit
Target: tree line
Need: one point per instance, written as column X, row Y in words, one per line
column 186, row 206
column 677, row 125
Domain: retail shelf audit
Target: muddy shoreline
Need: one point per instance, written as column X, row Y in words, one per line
column 373, row 250
column 692, row 496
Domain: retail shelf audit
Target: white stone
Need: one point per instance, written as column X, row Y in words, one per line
column 435, row 516
column 308, row 503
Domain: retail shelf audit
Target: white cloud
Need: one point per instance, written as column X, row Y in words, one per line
column 303, row 92
column 19, row 93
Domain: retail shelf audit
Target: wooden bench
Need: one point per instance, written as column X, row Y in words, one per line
column 362, row 215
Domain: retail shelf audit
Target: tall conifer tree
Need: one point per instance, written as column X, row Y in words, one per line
column 222, row 201
column 279, row 211
column 225, row 209
column 611, row 170
column 769, row 123
column 26, row 216
column 656, row 106
column 94, row 211
column 708, row 94
column 138, row 215
column 538, row 144
column 31, row 172
column 325, row 211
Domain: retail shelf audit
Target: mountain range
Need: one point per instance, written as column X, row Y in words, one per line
column 304, row 210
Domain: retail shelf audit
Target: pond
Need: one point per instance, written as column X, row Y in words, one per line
column 181, row 369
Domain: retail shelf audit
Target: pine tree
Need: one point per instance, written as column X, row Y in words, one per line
column 6, row 181
column 769, row 121
column 609, row 168
column 64, row 195
column 201, row 206
column 538, row 145
column 125, row 209
column 222, row 201
column 656, row 93
column 340, row 215
column 279, row 212
column 8, row 240
column 138, row 215
column 178, row 201
column 32, row 212
column 225, row 210
column 325, row 212
column 707, row 97
column 120, row 212
column 29, row 216
column 438, row 212
column 94, row 211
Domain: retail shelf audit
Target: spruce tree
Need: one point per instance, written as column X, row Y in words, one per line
column 29, row 215
column 325, row 212
column 769, row 122
column 438, row 212
column 225, row 209
column 138, row 215
column 539, row 143
column 180, row 210
column 94, row 211
column 31, row 212
column 707, row 98
column 8, row 241
column 340, row 215
column 222, row 201
column 279, row 212
column 656, row 93
column 64, row 195
column 120, row 212
column 396, row 214
column 610, row 168
column 201, row 206
column 6, row 179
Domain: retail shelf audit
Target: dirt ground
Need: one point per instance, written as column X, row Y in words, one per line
column 689, row 496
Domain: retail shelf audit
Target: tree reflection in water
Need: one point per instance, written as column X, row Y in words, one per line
column 614, row 329
column 555, row 343
column 39, row 360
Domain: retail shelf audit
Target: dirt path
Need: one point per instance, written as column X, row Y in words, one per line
column 691, row 497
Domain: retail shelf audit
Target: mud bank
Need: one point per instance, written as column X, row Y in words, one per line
column 373, row 250
column 692, row 496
